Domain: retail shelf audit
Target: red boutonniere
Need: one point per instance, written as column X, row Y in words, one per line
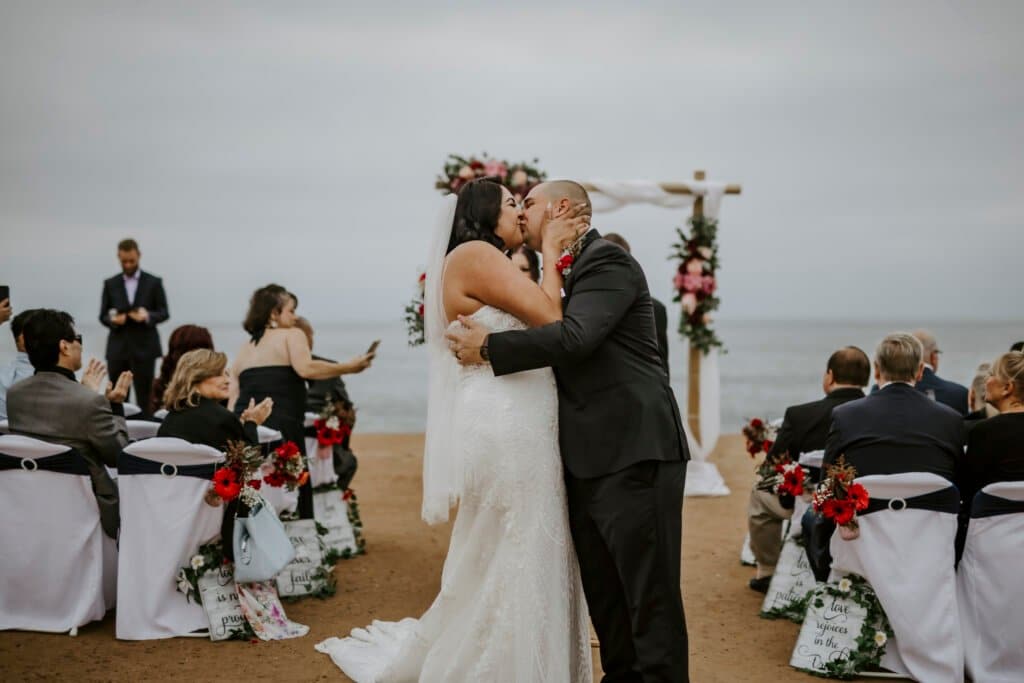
column 564, row 264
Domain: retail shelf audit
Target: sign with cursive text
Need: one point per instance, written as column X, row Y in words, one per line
column 791, row 582
column 300, row 577
column 829, row 632
column 220, row 602
column 331, row 510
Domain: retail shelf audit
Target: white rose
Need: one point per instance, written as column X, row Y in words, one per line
column 197, row 562
column 845, row 585
column 880, row 638
column 466, row 173
column 333, row 422
column 705, row 252
column 519, row 178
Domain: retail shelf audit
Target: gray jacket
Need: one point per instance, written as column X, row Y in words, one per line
column 51, row 407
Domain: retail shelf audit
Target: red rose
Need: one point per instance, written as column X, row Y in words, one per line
column 859, row 496
column 419, row 311
column 757, row 423
column 287, row 451
column 564, row 263
column 829, row 508
column 275, row 478
column 423, row 277
column 225, row 483
column 476, row 165
column 255, row 483
column 767, row 445
column 347, row 495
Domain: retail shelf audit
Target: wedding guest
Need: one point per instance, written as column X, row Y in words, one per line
column 942, row 390
column 660, row 312
column 980, row 408
column 20, row 367
column 897, row 428
column 526, row 260
column 132, row 305
column 804, row 429
column 5, row 311
column 1019, row 346
column 995, row 447
column 275, row 363
column 195, row 398
column 52, row 406
column 321, row 391
column 184, row 339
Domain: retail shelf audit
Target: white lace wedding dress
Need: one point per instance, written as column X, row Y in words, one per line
column 511, row 606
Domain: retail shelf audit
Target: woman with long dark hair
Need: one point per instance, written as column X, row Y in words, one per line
column 184, row 339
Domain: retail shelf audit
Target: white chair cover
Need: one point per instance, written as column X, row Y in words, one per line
column 907, row 556
column 142, row 429
column 267, row 435
column 164, row 520
column 321, row 470
column 131, row 410
column 160, row 414
column 5, row 427
column 812, row 459
column 990, row 593
column 52, row 571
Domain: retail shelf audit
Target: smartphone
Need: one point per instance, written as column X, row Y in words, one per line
column 5, row 292
column 373, row 347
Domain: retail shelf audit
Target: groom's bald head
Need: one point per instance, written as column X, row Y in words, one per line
column 568, row 191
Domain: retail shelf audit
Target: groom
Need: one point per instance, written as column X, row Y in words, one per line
column 621, row 438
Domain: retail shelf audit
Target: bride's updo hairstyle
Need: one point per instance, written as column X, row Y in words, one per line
column 477, row 213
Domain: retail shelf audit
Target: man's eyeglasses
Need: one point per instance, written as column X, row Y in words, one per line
column 76, row 338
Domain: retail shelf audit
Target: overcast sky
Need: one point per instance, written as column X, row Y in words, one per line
column 879, row 145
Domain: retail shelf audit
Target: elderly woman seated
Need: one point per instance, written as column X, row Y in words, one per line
column 194, row 400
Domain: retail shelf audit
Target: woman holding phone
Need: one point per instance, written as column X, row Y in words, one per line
column 275, row 363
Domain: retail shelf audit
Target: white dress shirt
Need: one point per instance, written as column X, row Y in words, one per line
column 15, row 371
column 131, row 286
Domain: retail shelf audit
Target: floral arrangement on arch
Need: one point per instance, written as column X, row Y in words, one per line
column 839, row 498
column 519, row 177
column 695, row 283
column 414, row 314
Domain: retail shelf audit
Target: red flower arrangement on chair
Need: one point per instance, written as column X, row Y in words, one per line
column 839, row 498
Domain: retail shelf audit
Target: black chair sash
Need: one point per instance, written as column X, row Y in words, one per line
column 987, row 505
column 68, row 462
column 128, row 465
column 943, row 500
column 309, row 432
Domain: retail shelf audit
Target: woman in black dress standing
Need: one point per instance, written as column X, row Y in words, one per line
column 275, row 363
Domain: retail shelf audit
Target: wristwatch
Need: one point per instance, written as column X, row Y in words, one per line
column 485, row 354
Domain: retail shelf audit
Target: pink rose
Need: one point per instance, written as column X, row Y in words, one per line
column 677, row 281
column 705, row 252
column 466, row 173
column 519, row 178
column 695, row 266
column 689, row 303
column 495, row 168
column 708, row 284
column 693, row 283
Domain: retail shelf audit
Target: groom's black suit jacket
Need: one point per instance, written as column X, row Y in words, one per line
column 615, row 405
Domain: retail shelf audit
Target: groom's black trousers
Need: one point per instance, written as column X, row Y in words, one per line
column 627, row 528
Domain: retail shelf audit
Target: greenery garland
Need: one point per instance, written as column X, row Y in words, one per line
column 695, row 283
column 875, row 632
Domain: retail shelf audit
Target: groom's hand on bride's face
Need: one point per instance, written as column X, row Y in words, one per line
column 465, row 341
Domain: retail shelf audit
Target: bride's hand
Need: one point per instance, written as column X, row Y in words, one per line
column 559, row 233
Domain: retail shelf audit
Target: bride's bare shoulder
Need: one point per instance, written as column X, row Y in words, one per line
column 473, row 254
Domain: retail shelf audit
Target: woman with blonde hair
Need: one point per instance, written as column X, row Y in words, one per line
column 195, row 398
column 994, row 451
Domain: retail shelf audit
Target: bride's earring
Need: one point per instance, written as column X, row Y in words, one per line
column 273, row 324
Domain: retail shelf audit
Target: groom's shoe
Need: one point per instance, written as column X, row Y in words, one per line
column 761, row 585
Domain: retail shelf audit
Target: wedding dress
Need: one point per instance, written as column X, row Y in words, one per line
column 511, row 606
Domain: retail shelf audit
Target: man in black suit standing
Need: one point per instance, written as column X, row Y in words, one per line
column 621, row 439
column 660, row 312
column 942, row 390
column 132, row 305
column 804, row 429
column 898, row 428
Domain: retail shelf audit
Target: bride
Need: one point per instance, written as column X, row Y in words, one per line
column 511, row 606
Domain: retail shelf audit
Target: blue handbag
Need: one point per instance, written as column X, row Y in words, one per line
column 262, row 547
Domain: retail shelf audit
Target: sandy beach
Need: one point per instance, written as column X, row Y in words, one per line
column 398, row 577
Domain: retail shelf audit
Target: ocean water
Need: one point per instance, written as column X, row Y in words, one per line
column 769, row 364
